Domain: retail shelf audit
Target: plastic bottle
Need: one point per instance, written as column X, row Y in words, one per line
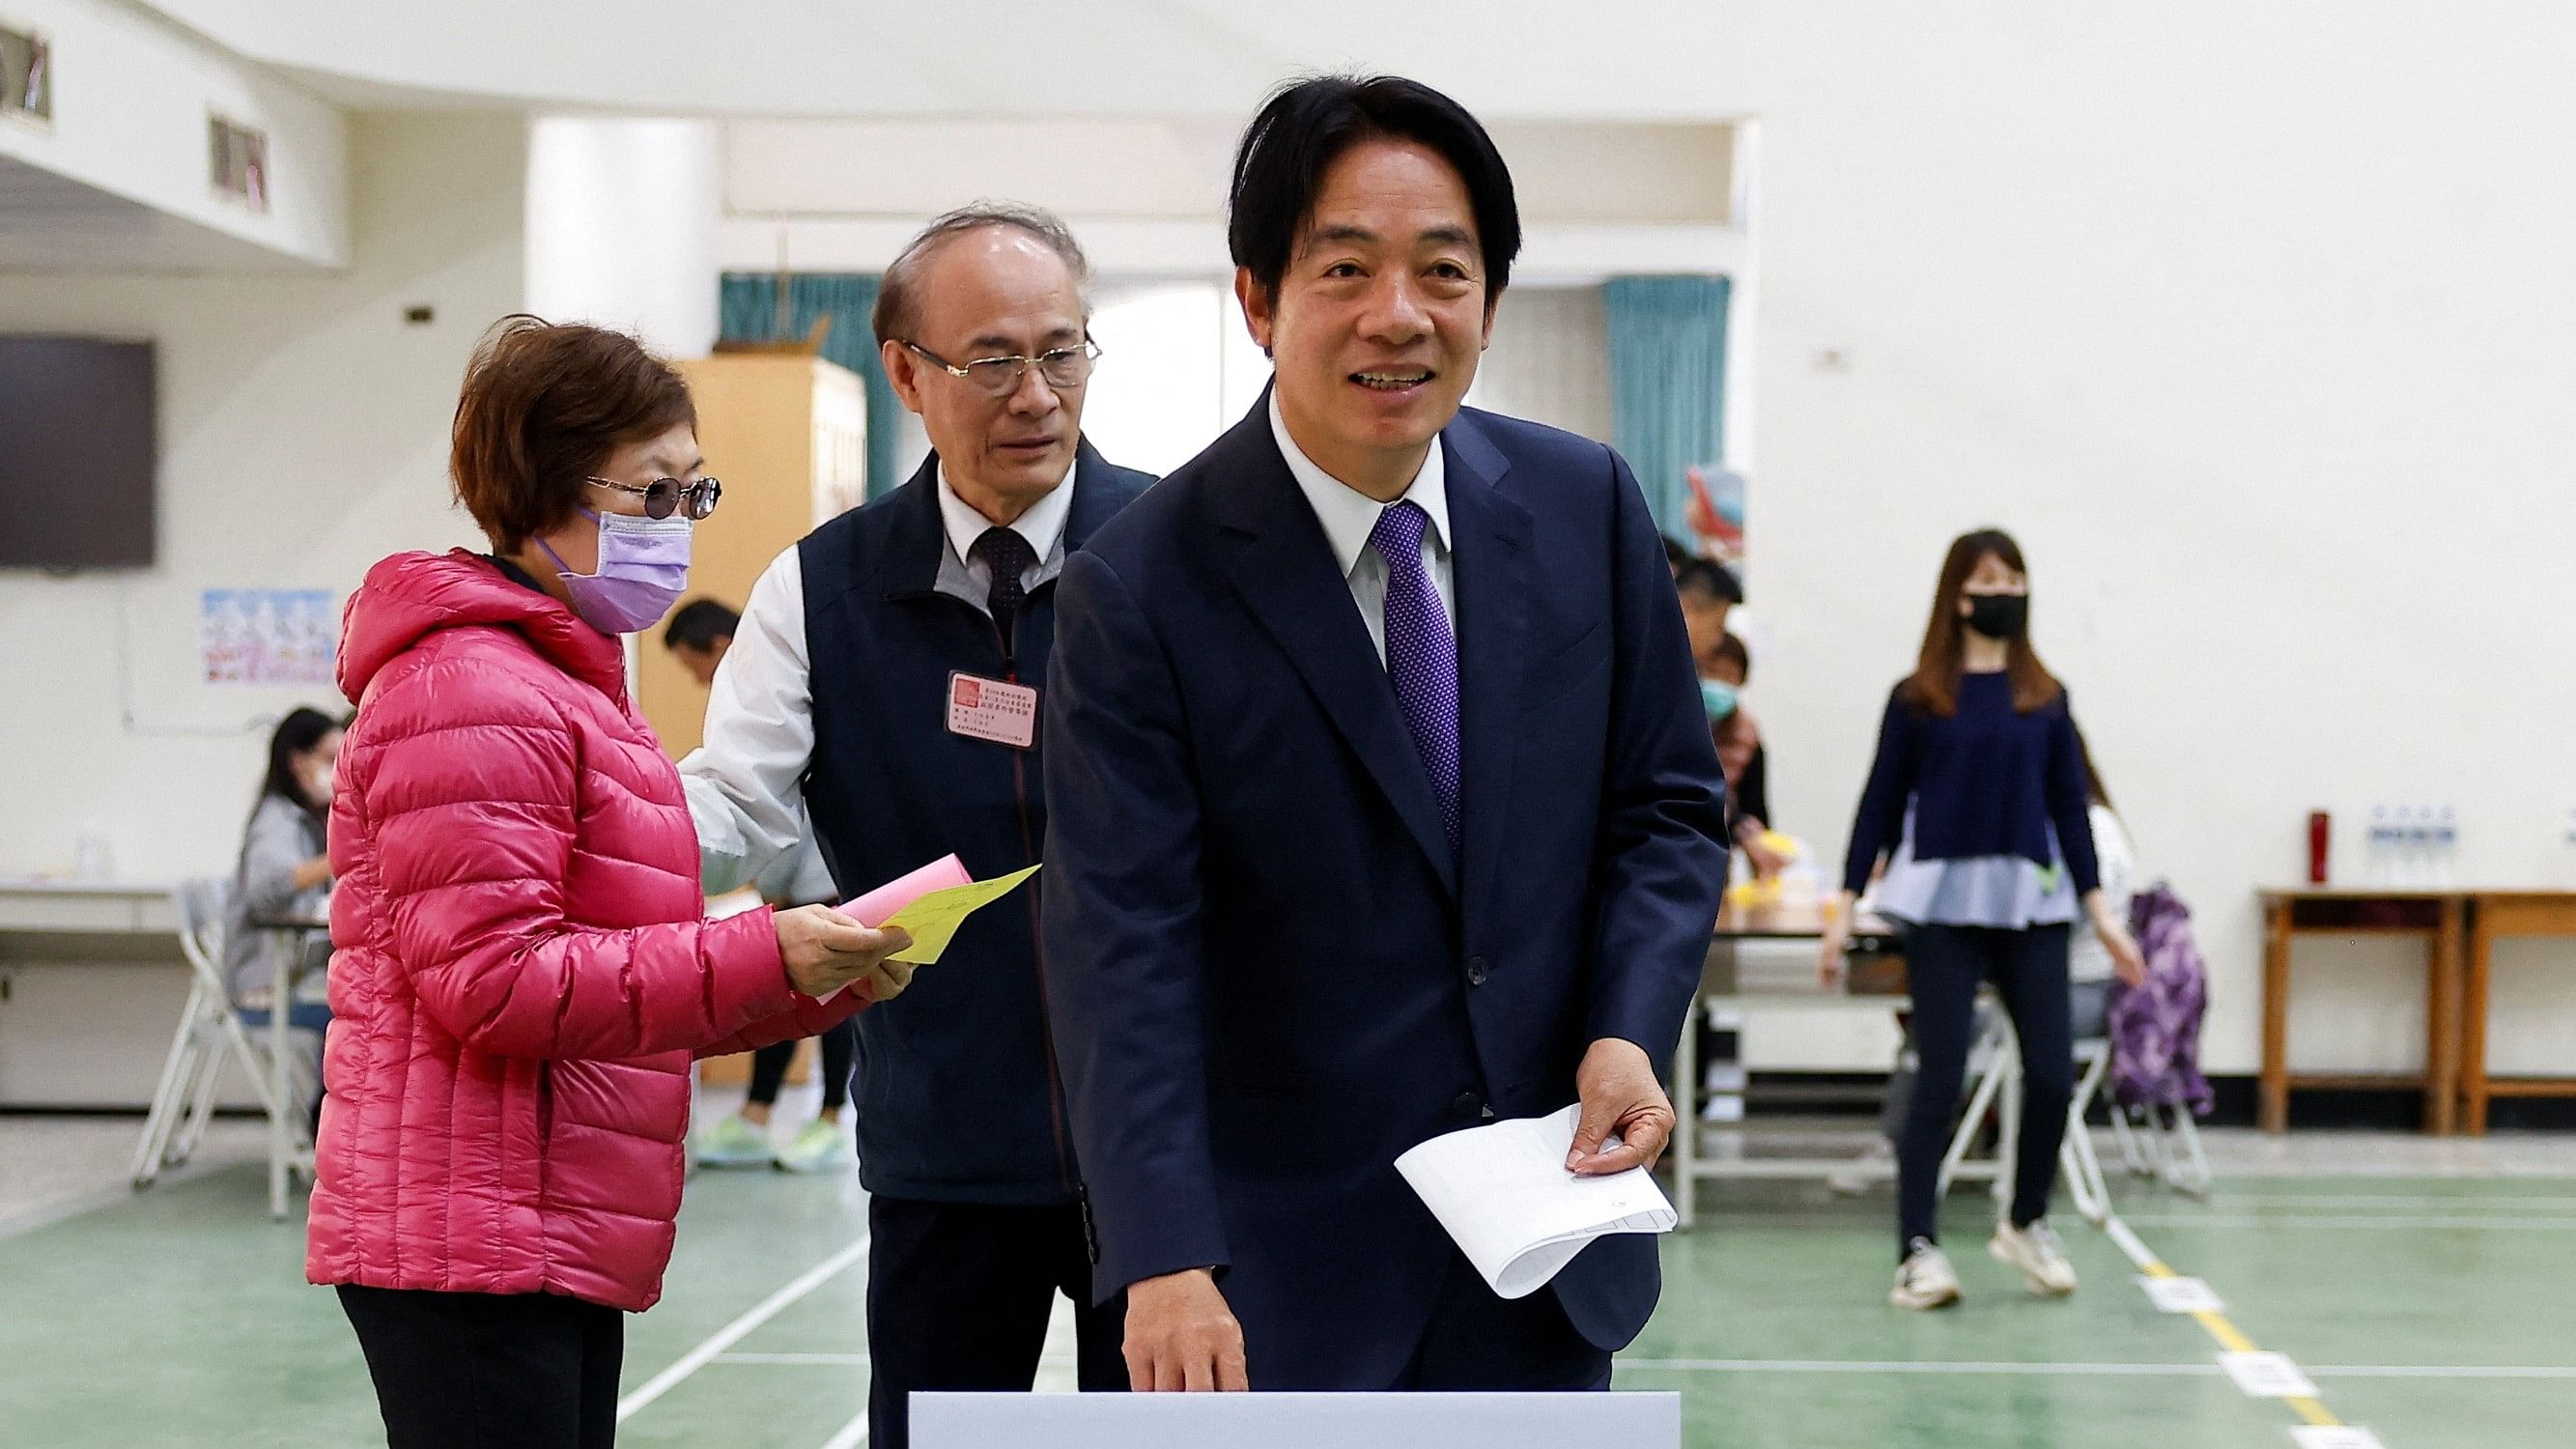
column 2446, row 848
column 2403, row 837
column 2377, row 866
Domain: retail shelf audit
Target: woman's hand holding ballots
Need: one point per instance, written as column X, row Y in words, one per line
column 825, row 950
column 934, row 900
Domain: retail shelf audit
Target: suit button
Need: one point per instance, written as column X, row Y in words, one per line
column 1475, row 970
column 1467, row 1105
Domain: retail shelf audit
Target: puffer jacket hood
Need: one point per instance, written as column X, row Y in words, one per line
column 410, row 596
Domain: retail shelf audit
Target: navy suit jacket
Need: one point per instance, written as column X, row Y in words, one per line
column 1267, row 974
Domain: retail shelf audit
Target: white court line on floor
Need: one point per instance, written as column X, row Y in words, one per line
column 732, row 1333
column 2418, row 1201
column 2444, row 1371
column 1913, row 1366
column 1918, row 1366
column 2353, row 1220
column 2104, row 1370
column 851, row 1435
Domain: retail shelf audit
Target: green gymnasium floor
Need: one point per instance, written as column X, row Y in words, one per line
column 2438, row 1312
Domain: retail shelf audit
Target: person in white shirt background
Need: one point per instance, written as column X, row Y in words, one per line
column 699, row 635
column 883, row 685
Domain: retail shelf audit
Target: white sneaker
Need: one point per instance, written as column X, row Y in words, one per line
column 2036, row 1251
column 1925, row 1279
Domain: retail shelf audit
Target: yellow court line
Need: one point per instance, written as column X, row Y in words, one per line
column 2234, row 1340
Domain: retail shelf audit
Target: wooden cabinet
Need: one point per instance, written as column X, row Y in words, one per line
column 787, row 433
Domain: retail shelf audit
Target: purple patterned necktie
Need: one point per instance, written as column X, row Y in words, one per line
column 1421, row 653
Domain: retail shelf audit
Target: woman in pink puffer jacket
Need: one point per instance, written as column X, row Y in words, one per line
column 523, row 967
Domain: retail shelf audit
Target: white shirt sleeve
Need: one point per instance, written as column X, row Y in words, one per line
column 745, row 783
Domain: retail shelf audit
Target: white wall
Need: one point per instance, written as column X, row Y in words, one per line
column 1546, row 362
column 621, row 227
column 304, row 436
column 1518, row 58
column 1147, row 196
column 131, row 97
column 2255, row 323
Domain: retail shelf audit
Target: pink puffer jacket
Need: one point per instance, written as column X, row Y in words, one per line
column 522, row 969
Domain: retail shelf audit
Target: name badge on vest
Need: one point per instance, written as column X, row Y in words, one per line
column 991, row 709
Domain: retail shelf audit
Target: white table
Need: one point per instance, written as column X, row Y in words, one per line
column 1776, row 923
column 1296, row 1420
column 29, row 903
column 91, row 1032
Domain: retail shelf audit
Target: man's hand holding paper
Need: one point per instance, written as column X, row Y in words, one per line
column 1626, row 1117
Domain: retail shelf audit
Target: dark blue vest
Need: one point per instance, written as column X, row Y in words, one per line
column 956, row 1092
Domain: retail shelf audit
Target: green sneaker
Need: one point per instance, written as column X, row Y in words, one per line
column 735, row 1141
column 821, row 1147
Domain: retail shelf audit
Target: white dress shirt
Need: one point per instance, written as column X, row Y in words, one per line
column 1349, row 516
column 745, row 783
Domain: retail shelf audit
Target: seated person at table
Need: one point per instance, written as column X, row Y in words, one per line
column 283, row 873
column 1708, row 593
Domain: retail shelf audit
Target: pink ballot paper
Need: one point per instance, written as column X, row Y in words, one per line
column 930, row 904
column 879, row 905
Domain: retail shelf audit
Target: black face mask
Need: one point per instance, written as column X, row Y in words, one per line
column 1999, row 616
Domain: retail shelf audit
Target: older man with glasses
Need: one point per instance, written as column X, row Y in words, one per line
column 888, row 671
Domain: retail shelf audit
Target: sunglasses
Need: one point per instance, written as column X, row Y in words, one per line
column 666, row 496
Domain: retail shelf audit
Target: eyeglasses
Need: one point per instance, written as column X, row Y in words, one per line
column 666, row 496
column 1064, row 368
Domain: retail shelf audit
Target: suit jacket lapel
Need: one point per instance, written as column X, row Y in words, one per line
column 1284, row 569
column 1490, row 561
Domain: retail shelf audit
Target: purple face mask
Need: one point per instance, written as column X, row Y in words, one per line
column 643, row 570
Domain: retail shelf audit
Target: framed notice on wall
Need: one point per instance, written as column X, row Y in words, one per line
column 268, row 636
column 26, row 75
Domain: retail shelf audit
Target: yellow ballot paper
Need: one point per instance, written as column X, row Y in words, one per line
column 933, row 919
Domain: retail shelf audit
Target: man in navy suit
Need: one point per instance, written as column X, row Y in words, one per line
column 1381, row 804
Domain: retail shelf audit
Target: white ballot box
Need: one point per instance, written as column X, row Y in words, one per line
column 1296, row 1421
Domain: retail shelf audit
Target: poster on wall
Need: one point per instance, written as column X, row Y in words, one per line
column 1716, row 514
column 268, row 636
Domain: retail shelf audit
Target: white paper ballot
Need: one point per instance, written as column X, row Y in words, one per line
column 2181, row 1295
column 2267, row 1375
column 1505, row 1196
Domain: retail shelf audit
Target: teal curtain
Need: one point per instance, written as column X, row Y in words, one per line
column 748, row 312
column 1667, row 383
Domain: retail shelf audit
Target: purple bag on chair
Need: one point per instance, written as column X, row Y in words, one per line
column 2155, row 1028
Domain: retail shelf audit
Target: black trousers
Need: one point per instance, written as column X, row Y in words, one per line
column 958, row 1298
column 489, row 1370
column 1479, row 1342
column 1944, row 965
column 840, row 1052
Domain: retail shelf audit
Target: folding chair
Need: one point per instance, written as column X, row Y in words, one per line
column 2164, row 1143
column 1994, row 1075
column 211, row 1031
column 1998, row 1087
column 2076, row 1157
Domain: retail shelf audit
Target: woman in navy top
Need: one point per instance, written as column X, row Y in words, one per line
column 1978, row 803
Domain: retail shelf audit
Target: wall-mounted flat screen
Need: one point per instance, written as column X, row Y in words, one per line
column 79, row 449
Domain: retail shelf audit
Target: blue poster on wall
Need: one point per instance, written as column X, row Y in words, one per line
column 268, row 636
